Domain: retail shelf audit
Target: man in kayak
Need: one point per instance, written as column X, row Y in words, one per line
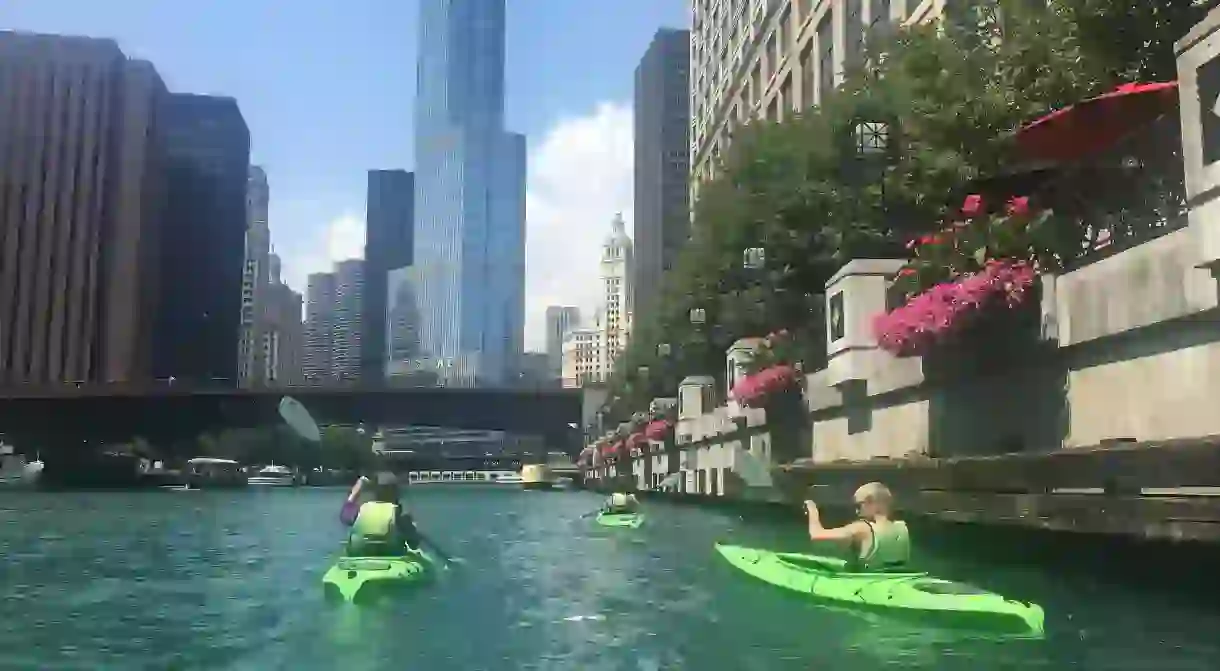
column 620, row 503
column 878, row 542
column 380, row 526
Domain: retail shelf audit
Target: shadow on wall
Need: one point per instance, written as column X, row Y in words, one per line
column 998, row 388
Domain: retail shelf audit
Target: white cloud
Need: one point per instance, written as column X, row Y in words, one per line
column 580, row 175
column 340, row 239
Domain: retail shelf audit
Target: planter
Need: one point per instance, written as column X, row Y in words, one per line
column 788, row 424
column 999, row 339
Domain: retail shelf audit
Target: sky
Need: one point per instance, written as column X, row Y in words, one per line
column 326, row 88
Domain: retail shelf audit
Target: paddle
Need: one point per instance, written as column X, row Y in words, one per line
column 299, row 420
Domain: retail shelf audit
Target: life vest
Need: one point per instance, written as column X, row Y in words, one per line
column 376, row 519
column 890, row 546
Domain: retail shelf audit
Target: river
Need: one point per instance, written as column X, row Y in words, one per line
column 231, row 580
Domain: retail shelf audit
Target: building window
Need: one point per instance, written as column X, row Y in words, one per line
column 826, row 57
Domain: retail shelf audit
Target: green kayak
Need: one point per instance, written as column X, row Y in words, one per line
column 632, row 520
column 352, row 577
column 909, row 593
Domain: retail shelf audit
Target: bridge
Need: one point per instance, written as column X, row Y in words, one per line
column 170, row 412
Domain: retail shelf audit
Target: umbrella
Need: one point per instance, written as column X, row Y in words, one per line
column 299, row 419
column 1095, row 124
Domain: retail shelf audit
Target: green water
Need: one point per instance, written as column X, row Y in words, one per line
column 231, row 580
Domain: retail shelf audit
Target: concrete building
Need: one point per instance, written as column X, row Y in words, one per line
column 764, row 60
column 200, row 308
column 469, row 237
column 389, row 242
column 283, row 339
column 346, row 338
column 536, row 371
column 662, row 161
column 590, row 352
column 318, row 360
column 81, row 201
column 255, row 281
column 560, row 319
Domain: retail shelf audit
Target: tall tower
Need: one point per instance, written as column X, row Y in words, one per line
column 469, row 246
column 255, row 280
column 616, row 269
column 389, row 223
column 662, row 164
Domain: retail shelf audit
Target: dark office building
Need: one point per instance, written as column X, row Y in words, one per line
column 203, row 240
column 662, row 162
column 80, row 205
column 388, row 243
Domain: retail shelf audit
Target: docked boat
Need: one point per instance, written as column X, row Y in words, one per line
column 536, row 476
column 213, row 473
column 909, row 593
column 15, row 471
column 273, row 476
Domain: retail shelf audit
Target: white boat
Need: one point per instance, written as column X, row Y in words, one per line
column 15, row 471
column 212, row 473
column 464, row 477
column 273, row 476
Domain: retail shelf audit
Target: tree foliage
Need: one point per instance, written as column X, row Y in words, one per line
column 951, row 96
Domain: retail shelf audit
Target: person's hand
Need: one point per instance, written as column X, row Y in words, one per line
column 811, row 508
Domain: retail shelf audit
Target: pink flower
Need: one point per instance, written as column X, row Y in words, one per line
column 973, row 206
column 930, row 316
column 1019, row 206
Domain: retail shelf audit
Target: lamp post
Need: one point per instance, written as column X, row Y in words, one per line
column 872, row 145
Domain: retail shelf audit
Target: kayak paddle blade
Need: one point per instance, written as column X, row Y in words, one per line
column 299, row 420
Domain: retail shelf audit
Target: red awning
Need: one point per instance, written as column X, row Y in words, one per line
column 1095, row 124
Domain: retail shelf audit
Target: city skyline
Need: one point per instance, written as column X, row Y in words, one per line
column 318, row 129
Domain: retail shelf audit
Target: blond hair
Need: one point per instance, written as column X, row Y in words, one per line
column 876, row 493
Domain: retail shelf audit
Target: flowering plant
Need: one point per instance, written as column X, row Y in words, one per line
column 658, row 429
column 984, row 260
column 777, row 348
column 752, row 390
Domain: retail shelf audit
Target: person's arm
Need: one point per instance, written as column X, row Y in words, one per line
column 351, row 506
column 817, row 532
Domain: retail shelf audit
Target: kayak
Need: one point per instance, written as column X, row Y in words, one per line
column 351, row 577
column 907, row 593
column 632, row 520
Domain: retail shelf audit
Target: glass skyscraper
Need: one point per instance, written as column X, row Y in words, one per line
column 469, row 249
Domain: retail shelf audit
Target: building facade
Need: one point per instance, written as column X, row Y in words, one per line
column 283, row 338
column 81, row 203
column 200, row 308
column 388, row 245
column 348, row 308
column 318, row 361
column 469, row 237
column 662, row 162
column 591, row 352
column 752, row 59
column 560, row 319
column 255, row 281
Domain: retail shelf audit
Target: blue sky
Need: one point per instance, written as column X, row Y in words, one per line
column 327, row 88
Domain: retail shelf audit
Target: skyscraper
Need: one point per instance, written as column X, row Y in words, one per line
column 255, row 280
column 199, row 313
column 469, row 247
column 348, row 329
column 80, row 210
column 560, row 320
column 283, row 338
column 319, row 328
column 662, row 164
column 388, row 244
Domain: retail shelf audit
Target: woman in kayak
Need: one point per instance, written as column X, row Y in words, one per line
column 381, row 526
column 878, row 542
column 620, row 503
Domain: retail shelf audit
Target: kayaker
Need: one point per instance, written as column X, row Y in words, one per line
column 878, row 542
column 380, row 526
column 619, row 503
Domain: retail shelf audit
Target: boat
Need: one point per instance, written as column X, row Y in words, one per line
column 212, row 473
column 913, row 593
column 352, row 578
column 273, row 476
column 536, row 476
column 15, row 471
column 631, row 520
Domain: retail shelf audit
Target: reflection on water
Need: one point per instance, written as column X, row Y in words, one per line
column 231, row 580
